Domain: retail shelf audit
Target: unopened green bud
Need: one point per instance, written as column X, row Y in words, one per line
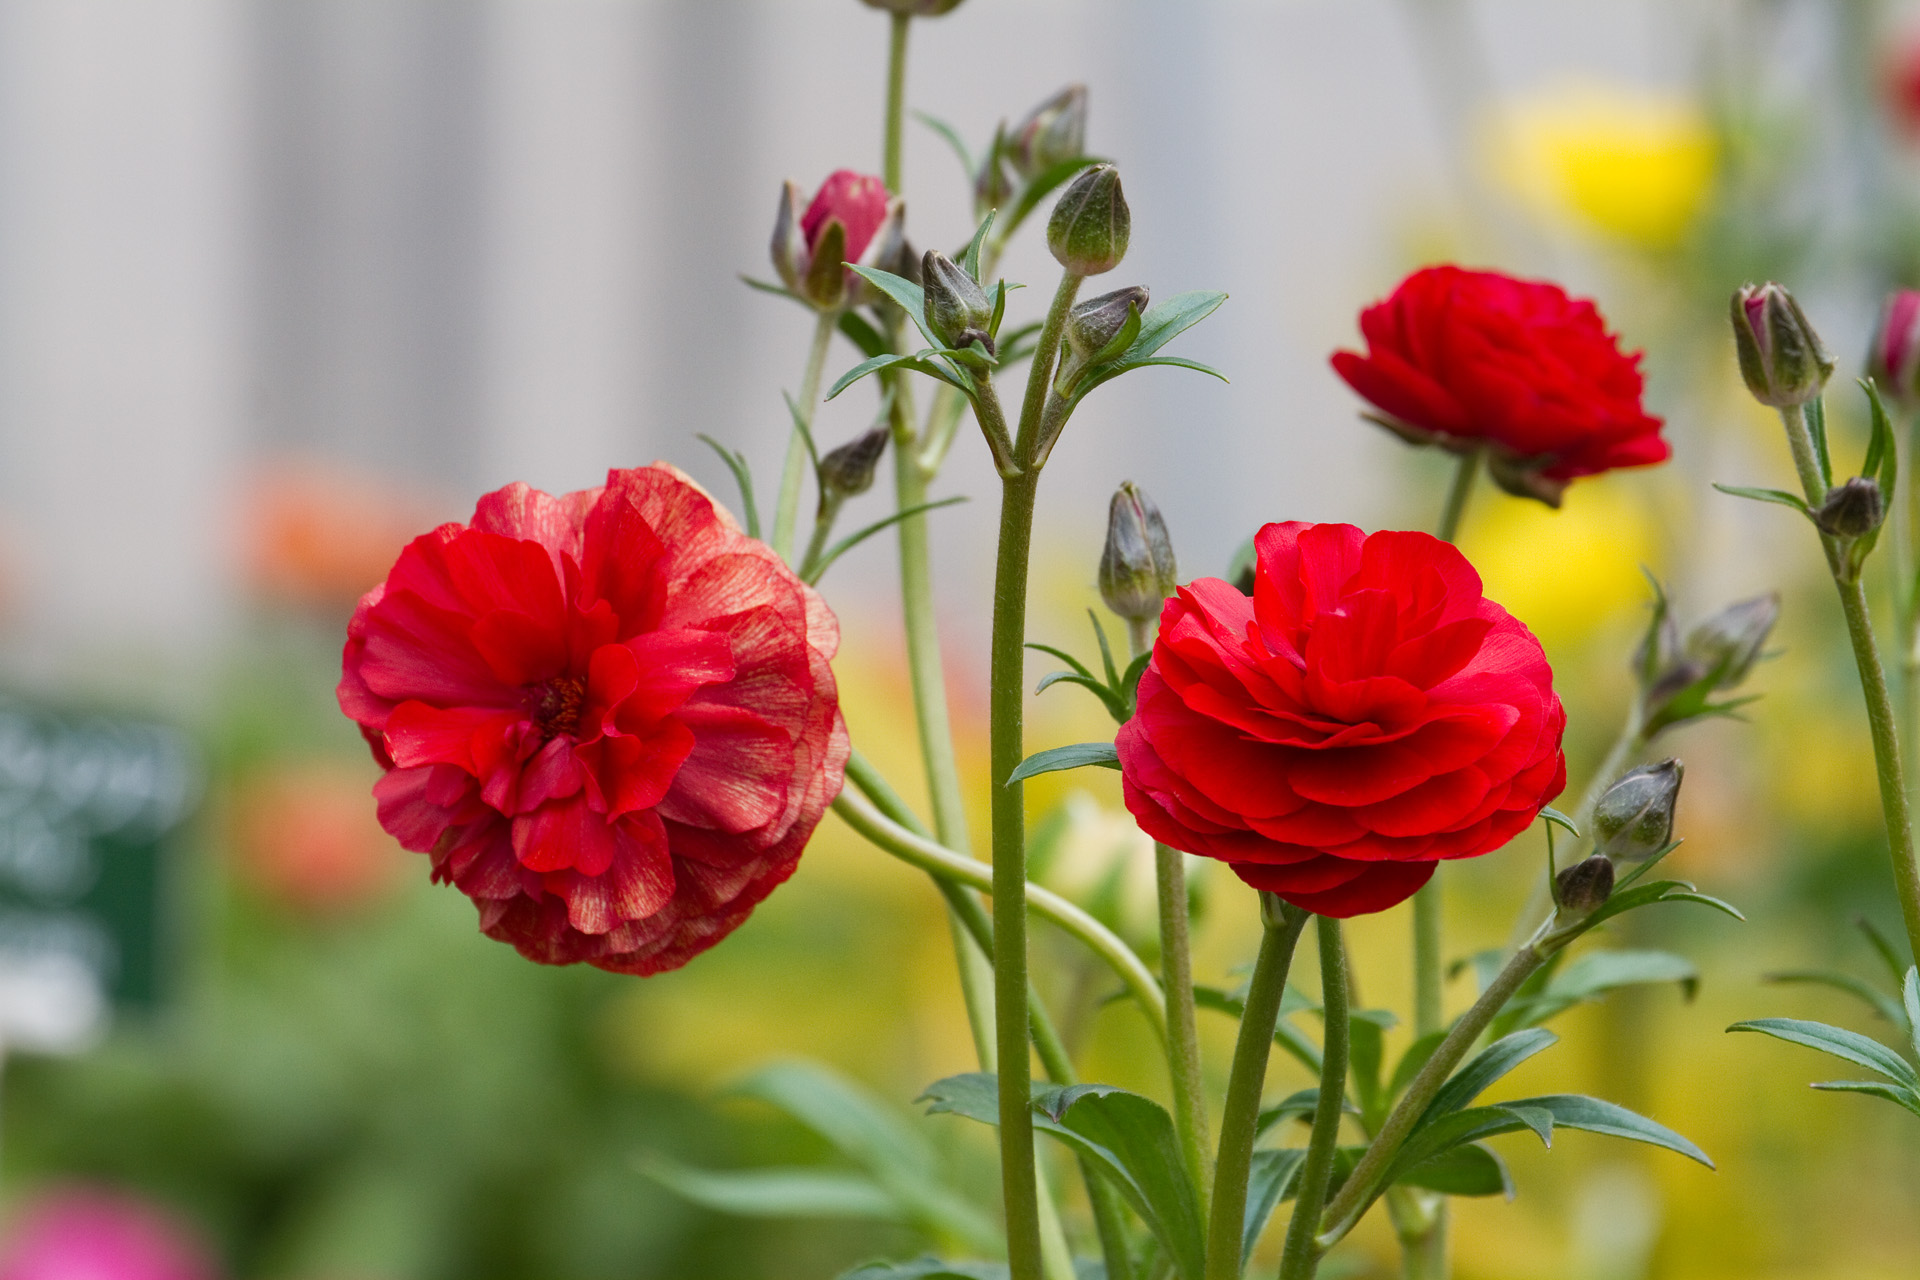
column 1137, row 570
column 1090, row 226
column 992, row 188
column 848, row 470
column 1634, row 819
column 958, row 309
column 1092, row 324
column 1055, row 130
column 1727, row 645
column 1781, row 357
column 1853, row 509
column 1584, row 887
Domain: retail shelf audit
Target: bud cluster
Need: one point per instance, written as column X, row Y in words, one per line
column 1680, row 677
column 1051, row 135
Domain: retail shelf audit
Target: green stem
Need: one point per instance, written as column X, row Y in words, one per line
column 1227, row 1220
column 1457, row 494
column 1358, row 1191
column 1300, row 1256
column 1176, row 978
column 896, row 100
column 1873, row 684
column 1906, row 590
column 1040, row 373
column 787, row 513
column 1424, row 1256
column 823, row 519
column 1006, row 749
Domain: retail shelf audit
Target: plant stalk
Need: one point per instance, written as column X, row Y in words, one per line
column 1300, row 1257
column 1358, row 1192
column 787, row 513
column 1176, row 979
column 1458, row 492
column 1881, row 717
column 1227, row 1216
column 890, row 164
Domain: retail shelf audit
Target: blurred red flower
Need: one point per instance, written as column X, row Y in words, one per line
column 858, row 200
column 315, row 534
column 88, row 1234
column 608, row 717
column 303, row 836
column 1463, row 358
column 1366, row 713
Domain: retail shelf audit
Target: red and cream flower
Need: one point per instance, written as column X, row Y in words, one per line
column 607, row 716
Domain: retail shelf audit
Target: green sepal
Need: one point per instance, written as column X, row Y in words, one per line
column 1079, row 755
column 970, row 259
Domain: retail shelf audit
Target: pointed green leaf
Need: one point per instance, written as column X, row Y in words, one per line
column 1817, row 428
column 1108, row 698
column 1492, row 1062
column 1140, row 1135
column 768, row 286
column 911, row 297
column 1102, row 754
column 1106, row 650
column 1577, row 1111
column 1466, row 1170
column 1449, row 1131
column 1554, row 817
column 1884, row 948
column 1365, row 1050
column 1302, row 1104
column 1079, row 667
column 1167, row 320
column 1779, row 497
column 861, row 334
column 1411, row 1061
column 1896, row 1094
column 1598, row 972
column 742, row 476
column 1102, row 374
column 970, row 260
column 917, row 362
column 928, row 1268
column 853, row 540
column 1838, row 1041
column 1866, row 992
column 953, row 139
column 1269, row 1181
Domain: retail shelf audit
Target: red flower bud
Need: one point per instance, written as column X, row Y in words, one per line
column 851, row 219
column 1364, row 715
column 1893, row 362
column 607, row 717
column 1466, row 359
column 858, row 200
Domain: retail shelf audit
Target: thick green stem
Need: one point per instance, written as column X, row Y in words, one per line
column 1300, row 1256
column 1006, row 749
column 1881, row 720
column 1358, row 1191
column 1239, row 1122
column 787, row 513
column 1424, row 1256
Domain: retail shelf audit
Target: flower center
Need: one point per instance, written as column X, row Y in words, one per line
column 558, row 709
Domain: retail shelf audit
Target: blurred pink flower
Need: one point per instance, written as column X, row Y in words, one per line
column 85, row 1233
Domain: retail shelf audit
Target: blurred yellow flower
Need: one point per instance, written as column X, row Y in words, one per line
column 1563, row 573
column 1631, row 163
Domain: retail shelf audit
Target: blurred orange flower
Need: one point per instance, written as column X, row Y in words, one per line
column 319, row 535
column 306, row 836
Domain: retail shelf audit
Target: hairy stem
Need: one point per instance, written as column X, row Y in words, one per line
column 1881, row 717
column 1358, row 1191
column 1300, row 1256
column 896, row 100
column 1238, row 1123
column 787, row 513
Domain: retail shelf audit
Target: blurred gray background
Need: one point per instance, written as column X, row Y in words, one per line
column 460, row 242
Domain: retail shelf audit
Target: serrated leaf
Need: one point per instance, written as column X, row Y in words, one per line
column 853, row 540
column 1466, row 1170
column 953, row 139
column 1900, row 1097
column 1269, row 1181
column 1851, row 1046
column 1866, row 992
column 1577, row 1111
column 1779, row 497
column 777, row 1193
column 742, row 476
column 1080, row 754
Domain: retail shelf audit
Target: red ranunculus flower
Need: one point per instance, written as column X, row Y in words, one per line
column 608, row 717
column 1465, row 358
column 1365, row 714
